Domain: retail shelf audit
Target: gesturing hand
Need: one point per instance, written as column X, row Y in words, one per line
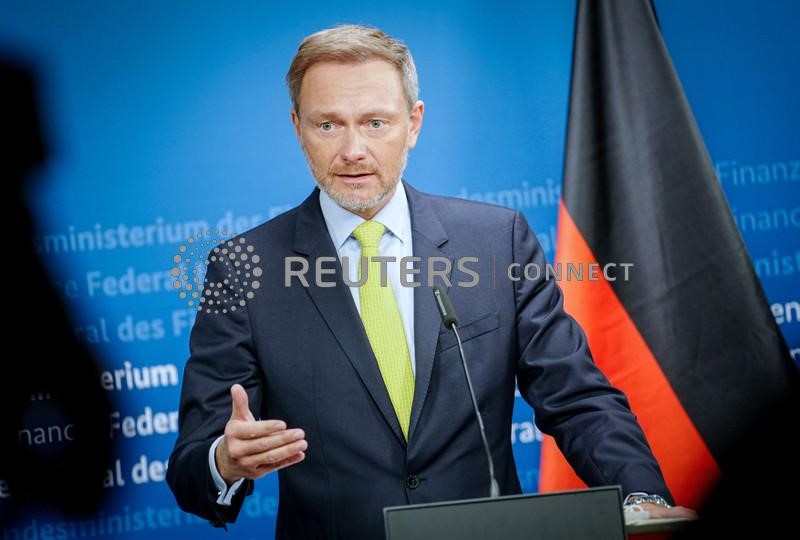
column 252, row 448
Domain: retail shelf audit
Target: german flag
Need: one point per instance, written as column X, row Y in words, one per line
column 689, row 336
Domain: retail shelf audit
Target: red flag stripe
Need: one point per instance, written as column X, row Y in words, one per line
column 623, row 355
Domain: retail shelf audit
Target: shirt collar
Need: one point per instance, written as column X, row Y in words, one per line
column 341, row 223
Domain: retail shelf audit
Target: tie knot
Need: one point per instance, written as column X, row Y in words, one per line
column 369, row 234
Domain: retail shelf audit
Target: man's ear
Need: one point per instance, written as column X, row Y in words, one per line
column 417, row 112
column 296, row 122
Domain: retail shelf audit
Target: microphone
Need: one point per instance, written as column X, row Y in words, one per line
column 450, row 320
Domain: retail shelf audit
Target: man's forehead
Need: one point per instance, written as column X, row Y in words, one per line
column 333, row 86
column 330, row 73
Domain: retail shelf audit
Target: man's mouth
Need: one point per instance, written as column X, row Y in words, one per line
column 354, row 177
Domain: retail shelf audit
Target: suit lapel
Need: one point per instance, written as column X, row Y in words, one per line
column 429, row 237
column 336, row 306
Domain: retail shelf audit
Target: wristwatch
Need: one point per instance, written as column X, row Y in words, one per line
column 639, row 498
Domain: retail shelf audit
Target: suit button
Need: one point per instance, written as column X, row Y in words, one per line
column 412, row 481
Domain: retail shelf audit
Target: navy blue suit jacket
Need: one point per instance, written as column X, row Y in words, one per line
column 303, row 356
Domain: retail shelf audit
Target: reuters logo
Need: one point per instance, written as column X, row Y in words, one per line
column 238, row 276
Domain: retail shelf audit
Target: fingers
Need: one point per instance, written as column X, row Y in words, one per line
column 240, row 409
column 252, row 448
column 660, row 512
column 274, row 458
column 291, row 460
column 683, row 512
column 239, row 448
column 254, row 429
column 234, row 463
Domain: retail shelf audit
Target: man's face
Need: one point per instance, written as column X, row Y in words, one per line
column 355, row 129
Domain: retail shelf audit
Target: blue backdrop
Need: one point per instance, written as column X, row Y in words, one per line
column 168, row 118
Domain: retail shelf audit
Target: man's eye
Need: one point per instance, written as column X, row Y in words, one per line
column 375, row 124
column 326, row 126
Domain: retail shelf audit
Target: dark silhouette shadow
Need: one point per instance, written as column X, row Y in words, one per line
column 753, row 500
column 54, row 416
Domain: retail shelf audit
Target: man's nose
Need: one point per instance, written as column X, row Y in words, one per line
column 353, row 149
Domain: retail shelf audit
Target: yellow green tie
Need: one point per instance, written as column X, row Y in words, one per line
column 384, row 326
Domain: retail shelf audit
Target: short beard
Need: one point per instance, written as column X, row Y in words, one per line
column 349, row 201
column 352, row 202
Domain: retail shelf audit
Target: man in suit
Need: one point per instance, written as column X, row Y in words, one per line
column 362, row 396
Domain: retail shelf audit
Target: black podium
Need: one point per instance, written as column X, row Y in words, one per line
column 578, row 514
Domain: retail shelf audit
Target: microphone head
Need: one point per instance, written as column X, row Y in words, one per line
column 444, row 306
